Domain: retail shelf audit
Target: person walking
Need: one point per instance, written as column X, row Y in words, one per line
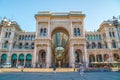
column 54, row 69
column 81, row 70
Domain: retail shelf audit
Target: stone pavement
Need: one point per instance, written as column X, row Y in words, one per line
column 60, row 76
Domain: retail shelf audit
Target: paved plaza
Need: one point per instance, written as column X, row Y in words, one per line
column 60, row 76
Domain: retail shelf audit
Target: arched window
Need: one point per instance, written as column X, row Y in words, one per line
column 94, row 37
column 32, row 38
column 87, row 37
column 88, row 45
column 99, row 58
column 29, row 57
column 28, row 60
column 41, row 32
column 20, row 45
column 93, row 45
column 45, row 32
column 113, row 44
column 3, row 58
column 116, row 56
column 78, row 32
column 21, row 59
column 26, row 45
column 14, row 45
column 22, row 37
column 19, row 37
column 25, row 37
column 14, row 60
column 110, row 34
column 9, row 35
column 6, row 34
column 14, row 57
column 113, row 34
column 29, row 37
column 99, row 45
column 75, row 32
column 91, row 58
column 32, row 46
column 91, row 37
column 99, row 37
column 6, row 45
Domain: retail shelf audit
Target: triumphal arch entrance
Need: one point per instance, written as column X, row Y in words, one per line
column 60, row 39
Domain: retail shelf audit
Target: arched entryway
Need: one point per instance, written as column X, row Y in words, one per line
column 28, row 60
column 14, row 60
column 78, row 57
column 3, row 58
column 21, row 60
column 42, row 59
column 60, row 38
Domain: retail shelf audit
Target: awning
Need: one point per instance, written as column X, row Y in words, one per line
column 21, row 57
column 14, row 57
column 4, row 57
column 29, row 57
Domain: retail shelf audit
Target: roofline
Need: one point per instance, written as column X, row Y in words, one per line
column 59, row 14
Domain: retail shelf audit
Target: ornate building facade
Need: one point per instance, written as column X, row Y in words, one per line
column 60, row 39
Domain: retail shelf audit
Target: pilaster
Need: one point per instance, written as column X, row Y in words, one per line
column 48, row 56
column 71, row 57
column 85, row 56
column 34, row 57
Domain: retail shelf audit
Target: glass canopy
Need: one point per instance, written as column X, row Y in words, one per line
column 59, row 42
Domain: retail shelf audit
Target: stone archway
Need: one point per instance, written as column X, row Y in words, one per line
column 41, row 59
column 14, row 60
column 60, row 38
column 78, row 56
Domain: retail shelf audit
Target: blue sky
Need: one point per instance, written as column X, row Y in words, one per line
column 23, row 11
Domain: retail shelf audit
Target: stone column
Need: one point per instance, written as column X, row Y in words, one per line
column 102, row 57
column 85, row 56
column 95, row 58
column 9, row 53
column 0, row 58
column 37, row 29
column 48, row 34
column 48, row 56
column 71, row 30
column 34, row 57
column 0, row 45
column 118, row 44
column 111, row 56
column 71, row 57
column 24, row 59
column 17, row 60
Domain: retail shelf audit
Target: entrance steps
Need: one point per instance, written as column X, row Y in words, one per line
column 37, row 70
